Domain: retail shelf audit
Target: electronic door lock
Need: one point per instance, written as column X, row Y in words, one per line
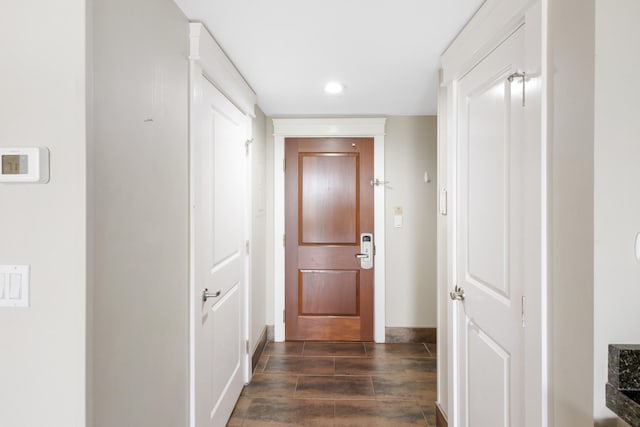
column 366, row 251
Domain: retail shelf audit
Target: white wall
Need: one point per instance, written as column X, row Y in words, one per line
column 410, row 150
column 570, row 142
column 42, row 103
column 617, row 175
column 141, row 195
column 258, row 292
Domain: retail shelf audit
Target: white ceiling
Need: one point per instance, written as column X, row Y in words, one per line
column 385, row 52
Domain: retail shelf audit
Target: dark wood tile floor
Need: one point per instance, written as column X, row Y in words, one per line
column 339, row 385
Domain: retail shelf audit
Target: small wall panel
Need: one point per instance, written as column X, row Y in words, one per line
column 329, row 293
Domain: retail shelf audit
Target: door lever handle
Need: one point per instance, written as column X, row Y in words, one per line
column 362, row 255
column 457, row 294
column 206, row 294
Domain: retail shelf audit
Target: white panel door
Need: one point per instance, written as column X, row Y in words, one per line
column 493, row 200
column 218, row 162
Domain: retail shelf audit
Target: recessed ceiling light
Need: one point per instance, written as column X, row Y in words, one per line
column 333, row 88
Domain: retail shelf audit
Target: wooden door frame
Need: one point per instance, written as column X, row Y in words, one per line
column 493, row 23
column 328, row 127
column 206, row 59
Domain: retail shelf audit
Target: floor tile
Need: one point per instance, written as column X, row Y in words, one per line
column 429, row 411
column 400, row 365
column 334, row 349
column 378, row 413
column 289, row 412
column 262, row 362
column 335, row 387
column 293, row 348
column 271, row 385
column 301, row 365
column 239, row 412
column 419, row 366
column 340, row 384
column 405, row 387
column 367, row 366
column 397, row 350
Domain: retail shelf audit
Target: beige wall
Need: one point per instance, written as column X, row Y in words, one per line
column 141, row 198
column 617, row 175
column 42, row 103
column 410, row 150
column 570, row 144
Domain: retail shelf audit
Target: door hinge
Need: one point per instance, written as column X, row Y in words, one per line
column 522, row 75
column 247, row 247
column 284, row 240
column 284, row 316
column 247, row 143
column 524, row 312
column 246, row 346
column 443, row 201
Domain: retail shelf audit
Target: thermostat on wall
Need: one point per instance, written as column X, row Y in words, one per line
column 24, row 165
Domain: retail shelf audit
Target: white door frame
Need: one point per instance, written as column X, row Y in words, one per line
column 208, row 59
column 492, row 24
column 327, row 127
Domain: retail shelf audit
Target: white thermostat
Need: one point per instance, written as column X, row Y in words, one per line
column 24, row 164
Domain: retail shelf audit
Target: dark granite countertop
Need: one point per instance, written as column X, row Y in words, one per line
column 623, row 388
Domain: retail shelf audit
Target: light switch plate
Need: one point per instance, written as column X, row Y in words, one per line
column 14, row 286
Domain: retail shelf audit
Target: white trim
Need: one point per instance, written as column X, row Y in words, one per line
column 452, row 238
column 248, row 236
column 194, row 71
column 364, row 127
column 544, row 215
column 219, row 69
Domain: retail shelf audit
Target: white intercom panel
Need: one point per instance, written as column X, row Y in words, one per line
column 24, row 165
column 366, row 251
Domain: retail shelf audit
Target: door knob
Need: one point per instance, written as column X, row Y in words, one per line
column 206, row 294
column 457, row 294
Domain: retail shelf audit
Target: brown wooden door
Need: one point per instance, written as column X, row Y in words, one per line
column 329, row 203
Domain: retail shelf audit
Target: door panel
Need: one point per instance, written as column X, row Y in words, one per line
column 489, row 257
column 218, row 260
column 329, row 200
column 487, row 169
column 329, row 203
column 225, row 320
column 329, row 293
column 489, row 367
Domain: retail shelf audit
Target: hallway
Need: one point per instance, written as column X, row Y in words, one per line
column 340, row 384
